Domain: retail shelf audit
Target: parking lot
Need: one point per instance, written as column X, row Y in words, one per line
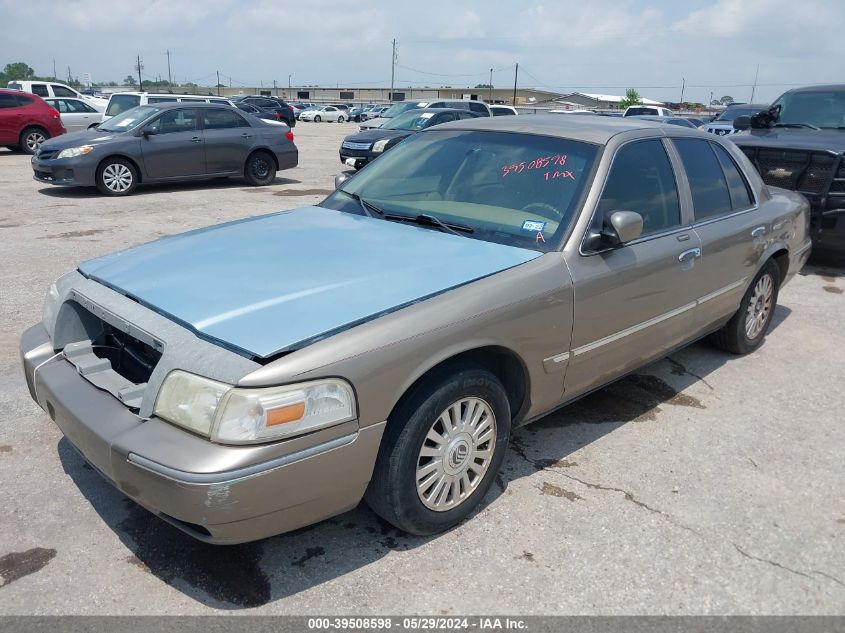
column 702, row 484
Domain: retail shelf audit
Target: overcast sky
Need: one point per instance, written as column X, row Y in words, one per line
column 593, row 45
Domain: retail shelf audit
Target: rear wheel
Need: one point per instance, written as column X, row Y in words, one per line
column 260, row 169
column 31, row 139
column 340, row 119
column 13, row 148
column 116, row 177
column 441, row 451
column 747, row 328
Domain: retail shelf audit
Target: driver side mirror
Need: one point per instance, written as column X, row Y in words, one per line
column 618, row 228
column 149, row 132
column 340, row 179
column 742, row 122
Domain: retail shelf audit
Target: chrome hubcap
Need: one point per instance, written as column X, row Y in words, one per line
column 117, row 177
column 456, row 454
column 759, row 307
column 34, row 140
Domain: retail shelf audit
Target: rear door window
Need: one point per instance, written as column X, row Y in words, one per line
column 220, row 119
column 641, row 179
column 8, row 101
column 61, row 91
column 161, row 99
column 739, row 188
column 40, row 90
column 477, row 107
column 710, row 194
column 173, row 121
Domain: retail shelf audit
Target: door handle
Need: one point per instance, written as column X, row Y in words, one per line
column 196, row 139
column 246, row 135
column 760, row 231
column 690, row 254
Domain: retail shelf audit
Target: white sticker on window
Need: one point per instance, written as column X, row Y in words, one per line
column 533, row 225
column 426, row 115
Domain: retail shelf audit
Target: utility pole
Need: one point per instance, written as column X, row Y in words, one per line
column 515, row 76
column 276, row 90
column 490, row 93
column 392, row 69
column 218, row 83
column 710, row 103
column 54, row 69
column 683, row 85
column 289, row 83
column 169, row 78
column 138, row 67
column 69, row 76
column 754, row 87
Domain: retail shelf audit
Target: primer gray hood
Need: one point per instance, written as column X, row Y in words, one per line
column 274, row 283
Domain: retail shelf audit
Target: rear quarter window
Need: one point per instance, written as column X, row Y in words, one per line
column 710, row 194
column 40, row 90
column 24, row 101
column 121, row 103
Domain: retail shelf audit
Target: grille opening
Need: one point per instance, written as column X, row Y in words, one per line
column 129, row 357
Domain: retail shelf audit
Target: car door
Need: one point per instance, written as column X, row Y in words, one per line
column 228, row 139
column 78, row 114
column 728, row 221
column 41, row 90
column 330, row 113
column 172, row 145
column 633, row 303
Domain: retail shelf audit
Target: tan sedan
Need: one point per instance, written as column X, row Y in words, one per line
column 251, row 378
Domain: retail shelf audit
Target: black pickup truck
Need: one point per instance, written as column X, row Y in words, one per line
column 798, row 143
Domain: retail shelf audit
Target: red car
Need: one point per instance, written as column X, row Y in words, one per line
column 26, row 121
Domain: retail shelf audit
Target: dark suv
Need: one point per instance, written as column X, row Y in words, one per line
column 798, row 143
column 269, row 104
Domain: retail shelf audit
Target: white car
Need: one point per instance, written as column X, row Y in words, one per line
column 76, row 114
column 120, row 102
column 645, row 110
column 503, row 110
column 47, row 89
column 326, row 113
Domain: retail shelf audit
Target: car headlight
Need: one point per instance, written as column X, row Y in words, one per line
column 235, row 415
column 50, row 310
column 73, row 152
column 379, row 146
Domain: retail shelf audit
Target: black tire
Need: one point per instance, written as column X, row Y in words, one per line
column 13, row 148
column 734, row 336
column 117, row 177
column 317, row 118
column 392, row 493
column 340, row 119
column 260, row 169
column 31, row 139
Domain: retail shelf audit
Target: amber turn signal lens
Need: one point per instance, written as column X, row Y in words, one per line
column 289, row 413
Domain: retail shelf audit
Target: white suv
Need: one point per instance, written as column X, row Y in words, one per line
column 121, row 101
column 51, row 89
column 641, row 110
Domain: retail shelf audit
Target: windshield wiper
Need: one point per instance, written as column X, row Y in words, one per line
column 367, row 207
column 807, row 125
column 426, row 219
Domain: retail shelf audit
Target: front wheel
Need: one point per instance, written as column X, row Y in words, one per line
column 116, row 177
column 748, row 326
column 317, row 119
column 340, row 119
column 260, row 169
column 441, row 451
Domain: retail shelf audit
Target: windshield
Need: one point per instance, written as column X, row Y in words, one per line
column 128, row 120
column 399, row 108
column 121, row 103
column 635, row 111
column 733, row 113
column 409, row 121
column 825, row 108
column 515, row 189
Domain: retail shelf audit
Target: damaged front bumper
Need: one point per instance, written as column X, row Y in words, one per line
column 218, row 494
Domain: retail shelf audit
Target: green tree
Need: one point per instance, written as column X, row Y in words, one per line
column 129, row 80
column 483, row 86
column 632, row 97
column 726, row 100
column 18, row 70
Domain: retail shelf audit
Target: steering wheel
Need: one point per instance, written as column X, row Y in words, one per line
column 546, row 210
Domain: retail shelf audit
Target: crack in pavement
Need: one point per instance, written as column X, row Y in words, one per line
column 770, row 562
column 828, row 576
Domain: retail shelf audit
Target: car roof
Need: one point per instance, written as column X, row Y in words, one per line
column 437, row 111
column 588, row 129
column 747, row 106
column 820, row 88
column 167, row 94
column 173, row 105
